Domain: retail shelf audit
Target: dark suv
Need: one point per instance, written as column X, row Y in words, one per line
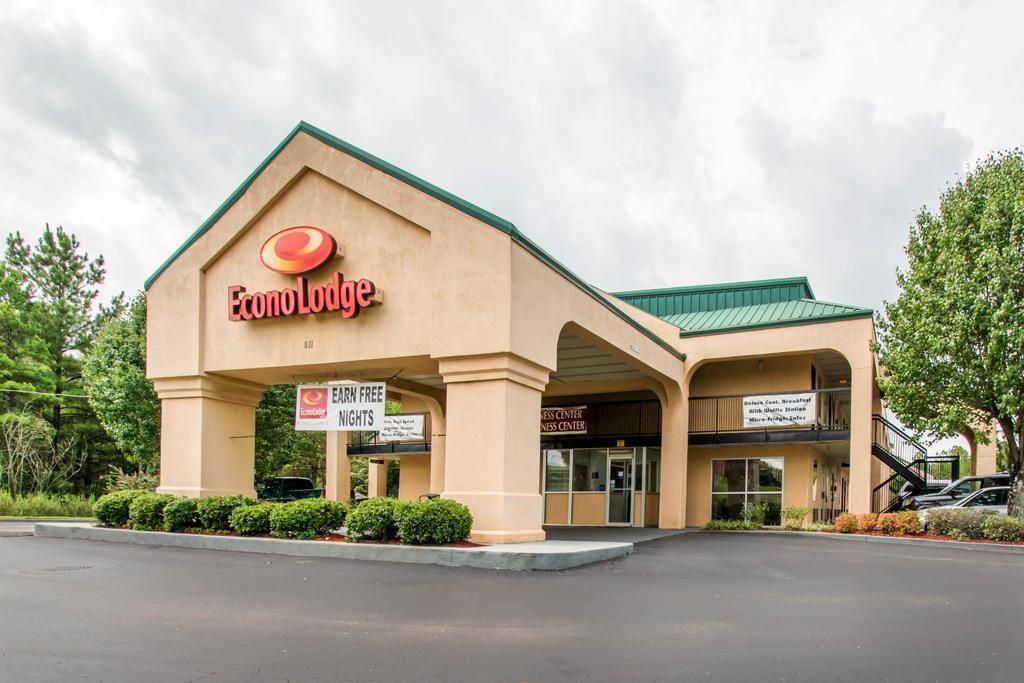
column 284, row 489
column 964, row 486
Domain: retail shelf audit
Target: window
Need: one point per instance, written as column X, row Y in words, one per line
column 969, row 486
column 556, row 471
column 589, row 469
column 653, row 471
column 990, row 497
column 738, row 483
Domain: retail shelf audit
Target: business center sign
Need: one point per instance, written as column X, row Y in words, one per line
column 340, row 407
column 563, row 420
column 294, row 251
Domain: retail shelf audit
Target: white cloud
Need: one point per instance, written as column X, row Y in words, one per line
column 641, row 144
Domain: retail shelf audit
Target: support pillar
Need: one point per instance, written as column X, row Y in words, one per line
column 377, row 479
column 207, row 435
column 492, row 461
column 338, row 484
column 675, row 418
column 862, row 388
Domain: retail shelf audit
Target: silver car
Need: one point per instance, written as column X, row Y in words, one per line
column 994, row 499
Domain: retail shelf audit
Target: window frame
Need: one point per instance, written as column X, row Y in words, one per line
column 746, row 492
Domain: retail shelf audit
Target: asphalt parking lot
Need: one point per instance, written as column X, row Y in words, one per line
column 695, row 607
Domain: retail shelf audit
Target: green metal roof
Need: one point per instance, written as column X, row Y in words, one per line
column 775, row 314
column 455, row 202
column 716, row 297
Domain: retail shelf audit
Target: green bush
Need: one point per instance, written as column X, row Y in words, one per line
column 46, row 505
column 794, row 517
column 252, row 520
column 1002, row 528
column 754, row 515
column 435, row 521
column 306, row 518
column 820, row 527
column 146, row 511
column 215, row 511
column 180, row 514
column 730, row 525
column 959, row 523
column 375, row 518
column 112, row 509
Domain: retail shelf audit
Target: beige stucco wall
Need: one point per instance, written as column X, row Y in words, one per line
column 413, row 476
column 777, row 373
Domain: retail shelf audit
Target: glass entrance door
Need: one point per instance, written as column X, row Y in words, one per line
column 620, row 489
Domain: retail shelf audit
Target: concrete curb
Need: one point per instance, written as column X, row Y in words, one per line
column 545, row 556
column 1006, row 549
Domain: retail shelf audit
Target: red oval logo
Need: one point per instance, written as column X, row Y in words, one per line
column 297, row 250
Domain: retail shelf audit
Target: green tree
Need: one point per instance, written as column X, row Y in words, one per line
column 952, row 343
column 62, row 282
column 114, row 373
column 23, row 369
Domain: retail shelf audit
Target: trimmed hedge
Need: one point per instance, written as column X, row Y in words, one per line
column 376, row 518
column 867, row 521
column 1002, row 528
column 846, row 523
column 180, row 514
column 252, row 520
column 112, row 509
column 215, row 511
column 959, row 523
column 899, row 523
column 306, row 518
column 437, row 521
column 146, row 512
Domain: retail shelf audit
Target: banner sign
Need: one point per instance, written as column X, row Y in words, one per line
column 402, row 428
column 780, row 410
column 563, row 420
column 340, row 407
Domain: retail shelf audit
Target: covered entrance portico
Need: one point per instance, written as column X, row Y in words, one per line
column 448, row 315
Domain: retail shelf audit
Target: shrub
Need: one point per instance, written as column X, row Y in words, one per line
column 252, row 520
column 435, row 521
column 112, row 509
column 146, row 511
column 215, row 511
column 794, row 517
column 820, row 527
column 375, row 518
column 1002, row 528
column 180, row 514
column 887, row 523
column 730, row 525
column 306, row 518
column 959, row 523
column 119, row 480
column 846, row 523
column 754, row 515
column 867, row 522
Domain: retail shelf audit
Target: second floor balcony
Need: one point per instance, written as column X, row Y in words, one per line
column 809, row 415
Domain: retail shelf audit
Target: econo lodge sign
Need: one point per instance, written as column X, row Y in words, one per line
column 294, row 251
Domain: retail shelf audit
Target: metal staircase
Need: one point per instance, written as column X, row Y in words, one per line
column 907, row 462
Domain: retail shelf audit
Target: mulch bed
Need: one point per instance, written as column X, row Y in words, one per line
column 930, row 537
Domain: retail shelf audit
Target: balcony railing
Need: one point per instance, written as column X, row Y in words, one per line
column 724, row 414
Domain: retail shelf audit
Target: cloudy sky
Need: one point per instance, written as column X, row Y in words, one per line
column 643, row 144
